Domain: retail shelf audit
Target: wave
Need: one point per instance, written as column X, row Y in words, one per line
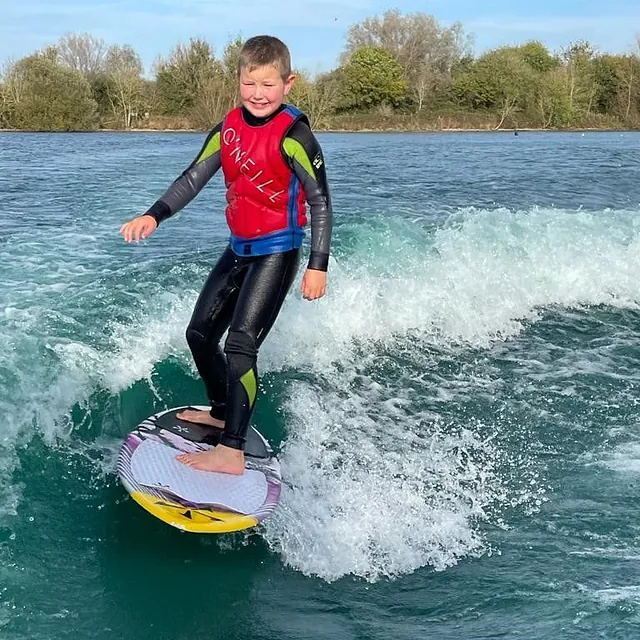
column 378, row 482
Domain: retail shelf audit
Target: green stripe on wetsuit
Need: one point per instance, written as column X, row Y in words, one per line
column 213, row 146
column 250, row 385
column 296, row 151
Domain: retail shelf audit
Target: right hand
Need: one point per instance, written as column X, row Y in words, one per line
column 138, row 228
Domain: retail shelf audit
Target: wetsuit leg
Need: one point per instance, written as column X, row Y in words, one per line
column 266, row 284
column 210, row 319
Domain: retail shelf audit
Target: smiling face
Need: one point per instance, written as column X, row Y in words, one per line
column 262, row 89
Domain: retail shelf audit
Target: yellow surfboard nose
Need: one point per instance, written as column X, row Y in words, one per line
column 193, row 520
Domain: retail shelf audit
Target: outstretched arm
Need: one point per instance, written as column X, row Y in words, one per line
column 191, row 181
column 183, row 190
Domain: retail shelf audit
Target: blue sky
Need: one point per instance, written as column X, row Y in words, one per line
column 314, row 29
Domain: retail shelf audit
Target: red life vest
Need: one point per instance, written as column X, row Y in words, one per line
column 266, row 210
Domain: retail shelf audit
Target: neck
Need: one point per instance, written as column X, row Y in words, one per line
column 255, row 121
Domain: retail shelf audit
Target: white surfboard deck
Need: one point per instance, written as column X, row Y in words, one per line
column 154, row 464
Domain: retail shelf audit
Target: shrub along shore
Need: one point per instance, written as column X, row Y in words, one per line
column 429, row 82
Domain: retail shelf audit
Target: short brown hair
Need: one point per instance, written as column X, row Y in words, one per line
column 261, row 51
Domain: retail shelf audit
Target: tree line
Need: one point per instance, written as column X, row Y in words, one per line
column 396, row 72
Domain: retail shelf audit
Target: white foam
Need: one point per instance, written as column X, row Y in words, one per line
column 624, row 459
column 158, row 334
column 611, row 596
column 373, row 494
column 360, row 501
column 482, row 278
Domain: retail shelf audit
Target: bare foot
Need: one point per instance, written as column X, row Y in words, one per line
column 221, row 459
column 200, row 416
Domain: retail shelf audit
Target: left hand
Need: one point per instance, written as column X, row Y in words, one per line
column 314, row 284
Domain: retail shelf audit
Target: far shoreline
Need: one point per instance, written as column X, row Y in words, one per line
column 363, row 130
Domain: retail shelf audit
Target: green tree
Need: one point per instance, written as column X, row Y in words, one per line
column 180, row 78
column 608, row 84
column 629, row 74
column 426, row 51
column 217, row 95
column 500, row 81
column 11, row 91
column 123, row 84
column 317, row 97
column 372, row 77
column 231, row 57
column 551, row 99
column 51, row 97
column 230, row 62
column 580, row 79
column 219, row 87
column 537, row 56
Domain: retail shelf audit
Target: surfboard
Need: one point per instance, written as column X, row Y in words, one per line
column 190, row 499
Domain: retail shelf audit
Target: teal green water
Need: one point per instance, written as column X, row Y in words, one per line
column 457, row 421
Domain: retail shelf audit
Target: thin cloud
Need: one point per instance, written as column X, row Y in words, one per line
column 313, row 28
column 613, row 34
column 556, row 24
column 206, row 15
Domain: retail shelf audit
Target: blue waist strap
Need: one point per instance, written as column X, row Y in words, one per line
column 264, row 245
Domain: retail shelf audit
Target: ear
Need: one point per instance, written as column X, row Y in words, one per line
column 288, row 84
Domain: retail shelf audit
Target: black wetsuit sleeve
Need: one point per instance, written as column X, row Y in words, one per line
column 304, row 155
column 191, row 181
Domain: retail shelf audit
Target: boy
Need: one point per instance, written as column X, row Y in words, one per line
column 271, row 163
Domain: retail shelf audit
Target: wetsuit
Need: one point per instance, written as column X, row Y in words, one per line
column 245, row 290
